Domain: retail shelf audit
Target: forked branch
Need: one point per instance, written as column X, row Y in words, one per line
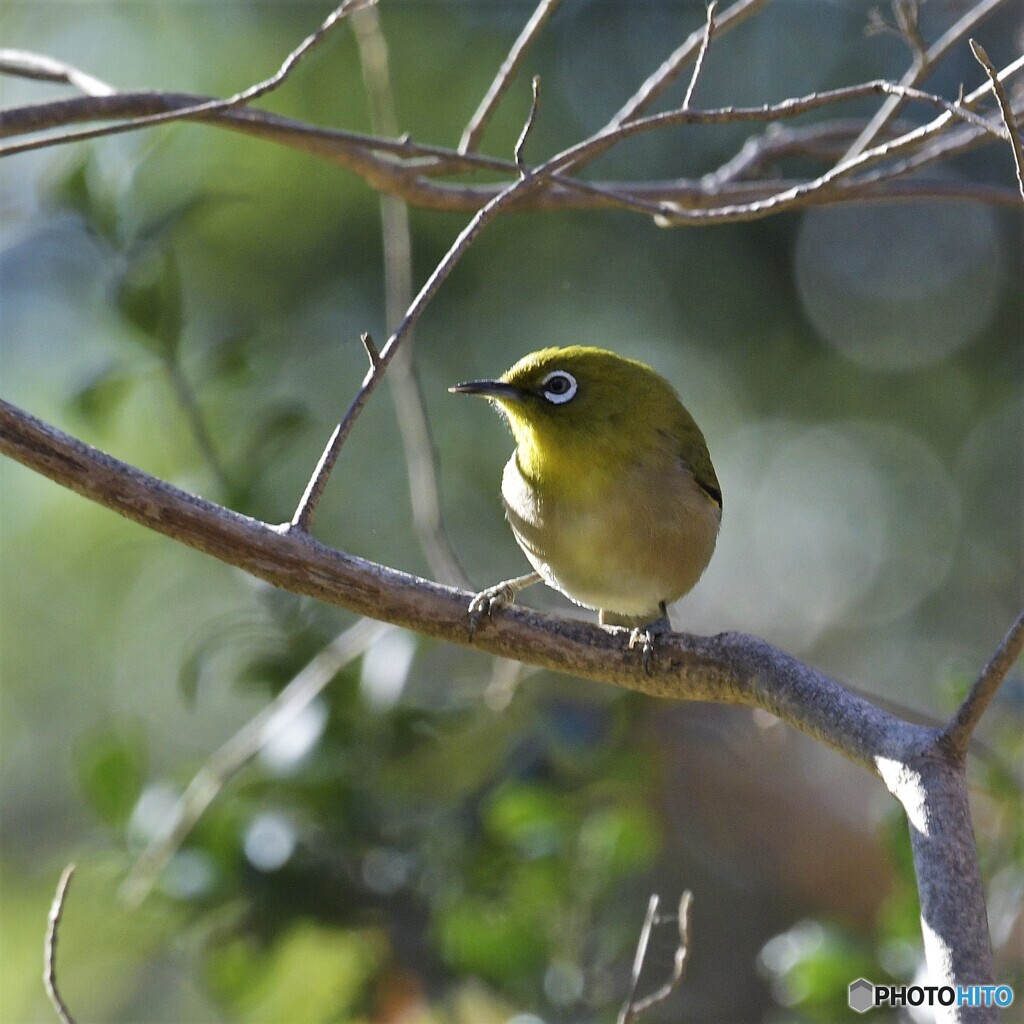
column 633, row 1007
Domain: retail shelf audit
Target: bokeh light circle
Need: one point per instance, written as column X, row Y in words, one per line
column 820, row 524
column 848, row 524
column 899, row 287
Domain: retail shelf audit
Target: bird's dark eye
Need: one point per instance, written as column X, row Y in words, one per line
column 558, row 386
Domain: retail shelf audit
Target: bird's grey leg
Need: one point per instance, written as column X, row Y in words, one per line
column 494, row 597
column 644, row 637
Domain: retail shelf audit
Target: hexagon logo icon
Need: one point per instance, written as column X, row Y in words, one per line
column 861, row 996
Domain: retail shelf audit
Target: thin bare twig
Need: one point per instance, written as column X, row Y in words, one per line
column 918, row 70
column 325, row 142
column 709, row 28
column 25, row 64
column 478, row 123
column 908, row 18
column 50, row 946
column 589, row 149
column 410, row 181
column 197, row 422
column 403, row 382
column 638, row 959
column 817, row 141
column 784, row 195
column 958, row 733
column 1005, row 109
column 632, row 1007
column 410, row 176
column 673, row 65
column 371, row 350
column 790, row 196
column 528, row 126
column 941, row 147
column 527, row 183
column 226, row 762
column 345, row 8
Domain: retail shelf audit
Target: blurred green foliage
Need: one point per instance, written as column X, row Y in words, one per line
column 432, row 836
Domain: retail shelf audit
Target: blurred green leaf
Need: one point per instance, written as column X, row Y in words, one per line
column 149, row 297
column 112, row 769
column 811, row 966
column 162, row 225
column 619, row 840
column 73, row 190
column 311, row 974
column 821, row 979
column 230, row 358
column 100, row 397
column 491, row 940
column 528, row 816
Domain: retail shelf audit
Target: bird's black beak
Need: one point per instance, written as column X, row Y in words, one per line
column 488, row 389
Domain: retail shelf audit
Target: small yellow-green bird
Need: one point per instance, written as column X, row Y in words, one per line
column 610, row 492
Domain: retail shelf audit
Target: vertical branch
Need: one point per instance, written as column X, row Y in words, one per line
column 406, row 394
column 527, row 127
column 639, row 957
column 932, row 789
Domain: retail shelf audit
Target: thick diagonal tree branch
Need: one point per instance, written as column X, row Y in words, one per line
column 729, row 669
column 914, row 761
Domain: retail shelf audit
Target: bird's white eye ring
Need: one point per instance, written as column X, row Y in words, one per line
column 559, row 387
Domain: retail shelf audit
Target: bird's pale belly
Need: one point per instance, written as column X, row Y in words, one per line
column 622, row 544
